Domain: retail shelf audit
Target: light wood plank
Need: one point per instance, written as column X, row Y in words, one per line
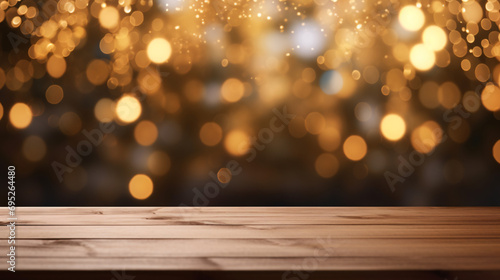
column 255, row 238
column 263, row 264
column 473, row 248
column 256, row 231
column 253, row 215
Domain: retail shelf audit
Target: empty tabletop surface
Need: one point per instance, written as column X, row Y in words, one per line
column 254, row 238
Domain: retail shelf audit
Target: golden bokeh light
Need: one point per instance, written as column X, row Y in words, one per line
column 329, row 139
column 54, row 94
column 393, row 127
column 434, row 38
column 237, row 142
column 140, row 186
column 109, row 17
column 136, row 18
column 142, row 59
column 355, row 148
column 97, row 72
column 34, row 148
column 56, row 66
column 395, row 80
column 315, row 122
column 426, row 137
column 411, row 18
column 20, row 115
column 224, row 175
column 159, row 50
column 128, row 109
column 213, row 79
column 308, row 75
column 465, row 64
column 159, row 163
column 70, row 123
column 471, row 101
column 326, row 165
column 490, row 97
column 210, row 134
column 232, row 90
column 449, row 95
column 472, row 11
column 104, row 110
column 428, row 94
column 145, row 133
column 422, row 57
column 496, row 151
column 482, row 72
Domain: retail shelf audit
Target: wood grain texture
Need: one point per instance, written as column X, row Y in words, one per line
column 256, row 215
column 254, row 238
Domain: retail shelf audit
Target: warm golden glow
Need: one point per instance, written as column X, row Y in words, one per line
column 145, row 133
column 411, row 18
column 159, row 50
column 237, row 142
column 329, row 139
column 20, row 115
column 210, row 134
column 56, row 66
column 326, row 165
column 490, row 97
column 426, row 137
column 393, row 127
column 315, row 123
column 286, row 82
column 128, row 109
column 232, row 90
column 97, row 72
column 355, row 148
column 472, row 11
column 224, row 175
column 428, row 94
column 159, row 163
column 34, row 148
column 70, row 123
column 422, row 58
column 434, row 38
column 109, row 17
column 104, row 110
column 496, row 151
column 449, row 95
column 140, row 186
column 54, row 94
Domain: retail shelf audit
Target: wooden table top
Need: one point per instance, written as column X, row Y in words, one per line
column 255, row 238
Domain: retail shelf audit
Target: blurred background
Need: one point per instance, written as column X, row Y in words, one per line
column 227, row 103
